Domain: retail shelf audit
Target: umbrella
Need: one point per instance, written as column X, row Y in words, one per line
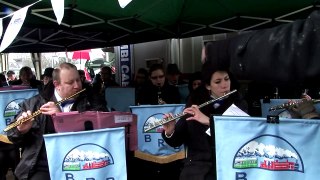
column 83, row 54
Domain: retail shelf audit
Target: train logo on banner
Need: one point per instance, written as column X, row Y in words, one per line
column 12, row 109
column 87, row 157
column 268, row 152
column 150, row 121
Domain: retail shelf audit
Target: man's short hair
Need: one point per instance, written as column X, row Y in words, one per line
column 56, row 71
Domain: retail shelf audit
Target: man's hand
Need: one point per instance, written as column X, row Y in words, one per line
column 26, row 126
column 49, row 108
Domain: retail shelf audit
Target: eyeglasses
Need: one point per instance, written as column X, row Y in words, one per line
column 157, row 77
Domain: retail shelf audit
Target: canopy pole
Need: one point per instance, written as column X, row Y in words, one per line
column 36, row 60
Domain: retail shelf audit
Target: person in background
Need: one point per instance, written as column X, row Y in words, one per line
column 159, row 91
column 66, row 82
column 303, row 109
column 140, row 80
column 97, row 100
column 155, row 93
column 194, row 81
column 191, row 129
column 102, row 81
column 3, row 80
column 106, row 77
column 26, row 79
column 47, row 75
column 83, row 79
column 11, row 76
column 173, row 75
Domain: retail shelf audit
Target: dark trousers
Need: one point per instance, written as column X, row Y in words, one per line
column 146, row 170
column 9, row 158
column 40, row 175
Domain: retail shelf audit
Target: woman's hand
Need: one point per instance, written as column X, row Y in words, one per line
column 197, row 115
column 169, row 126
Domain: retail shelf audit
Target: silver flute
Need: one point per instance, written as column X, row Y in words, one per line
column 290, row 104
column 155, row 124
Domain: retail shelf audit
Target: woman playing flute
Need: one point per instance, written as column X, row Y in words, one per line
column 191, row 131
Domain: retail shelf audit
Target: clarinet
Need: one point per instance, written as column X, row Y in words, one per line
column 160, row 101
column 179, row 115
column 38, row 112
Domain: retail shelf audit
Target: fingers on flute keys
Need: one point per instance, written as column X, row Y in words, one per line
column 25, row 115
column 24, row 126
column 191, row 111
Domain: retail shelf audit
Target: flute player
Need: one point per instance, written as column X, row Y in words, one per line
column 29, row 135
column 191, row 131
column 304, row 109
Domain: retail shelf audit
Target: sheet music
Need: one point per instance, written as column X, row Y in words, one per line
column 233, row 110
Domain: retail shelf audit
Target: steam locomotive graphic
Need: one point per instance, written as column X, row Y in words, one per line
column 87, row 157
column 268, row 152
column 270, row 164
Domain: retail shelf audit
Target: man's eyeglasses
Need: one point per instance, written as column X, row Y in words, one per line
column 157, row 77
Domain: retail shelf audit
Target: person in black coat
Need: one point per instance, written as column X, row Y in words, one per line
column 286, row 54
column 158, row 91
column 29, row 135
column 191, row 129
column 26, row 79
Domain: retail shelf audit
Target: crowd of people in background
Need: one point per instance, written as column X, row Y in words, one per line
column 157, row 85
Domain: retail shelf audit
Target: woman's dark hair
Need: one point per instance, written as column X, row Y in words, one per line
column 208, row 69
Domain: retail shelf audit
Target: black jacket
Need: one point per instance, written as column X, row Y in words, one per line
column 284, row 54
column 149, row 94
column 33, row 141
column 199, row 163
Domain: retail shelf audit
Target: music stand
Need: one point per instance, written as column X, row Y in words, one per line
column 120, row 98
column 90, row 120
column 74, row 122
